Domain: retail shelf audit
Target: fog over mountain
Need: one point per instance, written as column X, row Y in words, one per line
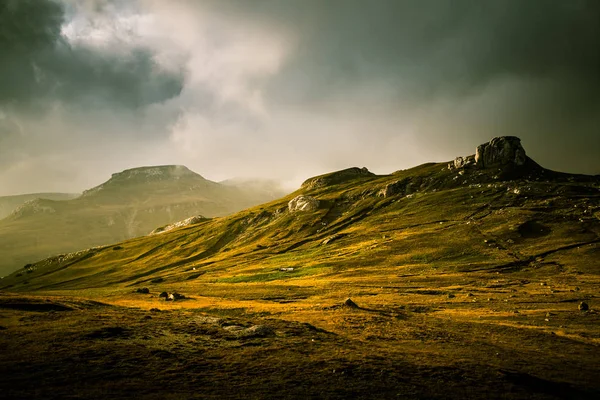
column 289, row 89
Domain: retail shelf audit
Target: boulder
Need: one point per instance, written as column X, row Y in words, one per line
column 500, row 152
column 303, row 203
column 177, row 296
column 583, row 306
column 163, row 295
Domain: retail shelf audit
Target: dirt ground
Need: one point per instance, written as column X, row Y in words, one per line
column 430, row 345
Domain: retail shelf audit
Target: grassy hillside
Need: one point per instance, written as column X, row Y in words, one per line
column 130, row 204
column 8, row 204
column 465, row 284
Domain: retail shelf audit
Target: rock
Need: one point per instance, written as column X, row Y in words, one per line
column 255, row 331
column 303, row 203
column 196, row 219
column 583, row 306
column 500, row 152
column 170, row 297
column 337, row 177
column 394, row 188
column 177, row 296
column 143, row 290
column 350, row 303
column 459, row 162
column 163, row 295
column 286, row 269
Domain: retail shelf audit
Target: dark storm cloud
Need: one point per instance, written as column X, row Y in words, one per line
column 482, row 68
column 38, row 64
column 432, row 46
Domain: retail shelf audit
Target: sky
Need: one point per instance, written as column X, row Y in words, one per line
column 289, row 89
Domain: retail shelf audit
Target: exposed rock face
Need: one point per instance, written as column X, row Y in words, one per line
column 186, row 222
column 500, row 152
column 335, row 178
column 303, row 203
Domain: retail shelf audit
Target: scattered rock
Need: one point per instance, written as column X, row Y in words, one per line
column 583, row 306
column 143, row 290
column 350, row 303
column 303, row 203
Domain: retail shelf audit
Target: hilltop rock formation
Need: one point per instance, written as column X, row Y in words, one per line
column 504, row 152
column 500, row 152
column 303, row 203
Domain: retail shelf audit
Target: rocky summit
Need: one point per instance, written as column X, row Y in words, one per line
column 504, row 153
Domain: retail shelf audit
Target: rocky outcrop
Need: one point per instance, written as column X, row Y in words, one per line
column 303, row 203
column 186, row 222
column 401, row 187
column 504, row 152
column 335, row 178
column 500, row 152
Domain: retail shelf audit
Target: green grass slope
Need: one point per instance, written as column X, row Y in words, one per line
column 448, row 223
column 130, row 204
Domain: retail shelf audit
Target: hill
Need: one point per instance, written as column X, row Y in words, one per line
column 476, row 278
column 10, row 203
column 131, row 203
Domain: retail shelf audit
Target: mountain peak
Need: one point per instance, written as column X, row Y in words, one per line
column 144, row 175
column 155, row 172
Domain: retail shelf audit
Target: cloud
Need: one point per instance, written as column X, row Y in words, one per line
column 289, row 89
column 41, row 65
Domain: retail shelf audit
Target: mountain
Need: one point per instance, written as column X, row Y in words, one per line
column 474, row 278
column 10, row 203
column 131, row 203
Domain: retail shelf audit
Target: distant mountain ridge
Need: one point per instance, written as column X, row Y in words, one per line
column 131, row 203
column 8, row 204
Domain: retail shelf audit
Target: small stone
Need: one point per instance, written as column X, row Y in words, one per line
column 143, row 290
column 350, row 303
column 163, row 295
column 543, row 283
column 583, row 306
